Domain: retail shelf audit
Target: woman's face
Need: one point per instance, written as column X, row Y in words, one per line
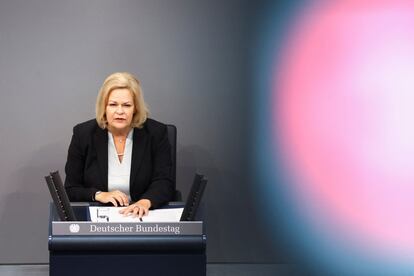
column 120, row 109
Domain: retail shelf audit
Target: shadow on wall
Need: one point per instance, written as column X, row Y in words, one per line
column 25, row 212
column 224, row 200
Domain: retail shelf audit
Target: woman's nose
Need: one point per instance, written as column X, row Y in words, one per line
column 119, row 109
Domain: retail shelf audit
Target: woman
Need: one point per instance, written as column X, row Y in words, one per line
column 122, row 155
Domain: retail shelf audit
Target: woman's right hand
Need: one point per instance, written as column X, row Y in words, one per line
column 115, row 197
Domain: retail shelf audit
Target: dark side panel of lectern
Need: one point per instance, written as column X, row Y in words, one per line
column 127, row 264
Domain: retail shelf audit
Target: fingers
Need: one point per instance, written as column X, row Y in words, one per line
column 139, row 209
column 115, row 197
column 135, row 210
column 126, row 211
column 144, row 204
column 121, row 197
column 125, row 199
column 141, row 212
column 113, row 201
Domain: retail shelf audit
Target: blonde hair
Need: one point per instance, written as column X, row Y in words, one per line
column 117, row 81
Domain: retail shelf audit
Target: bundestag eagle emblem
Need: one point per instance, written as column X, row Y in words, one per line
column 74, row 228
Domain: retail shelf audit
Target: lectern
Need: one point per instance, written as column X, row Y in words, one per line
column 83, row 247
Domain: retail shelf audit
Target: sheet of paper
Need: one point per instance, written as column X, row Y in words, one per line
column 111, row 214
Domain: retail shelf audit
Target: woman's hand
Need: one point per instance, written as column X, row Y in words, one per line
column 115, row 197
column 139, row 208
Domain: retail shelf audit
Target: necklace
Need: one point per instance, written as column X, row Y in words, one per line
column 120, row 139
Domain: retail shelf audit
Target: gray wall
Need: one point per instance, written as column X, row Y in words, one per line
column 191, row 59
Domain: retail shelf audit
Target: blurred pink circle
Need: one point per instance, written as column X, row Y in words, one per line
column 344, row 113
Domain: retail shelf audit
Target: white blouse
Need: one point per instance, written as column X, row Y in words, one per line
column 119, row 172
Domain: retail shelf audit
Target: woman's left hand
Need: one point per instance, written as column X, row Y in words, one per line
column 139, row 208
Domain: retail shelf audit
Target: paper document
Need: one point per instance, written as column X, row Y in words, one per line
column 111, row 214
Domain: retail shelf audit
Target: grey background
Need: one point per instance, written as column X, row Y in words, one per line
column 191, row 59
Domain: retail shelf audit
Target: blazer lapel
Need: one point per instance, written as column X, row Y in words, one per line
column 101, row 143
column 140, row 141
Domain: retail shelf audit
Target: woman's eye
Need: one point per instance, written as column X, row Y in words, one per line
column 127, row 105
column 112, row 104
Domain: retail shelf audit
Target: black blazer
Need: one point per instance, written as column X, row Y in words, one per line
column 87, row 164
